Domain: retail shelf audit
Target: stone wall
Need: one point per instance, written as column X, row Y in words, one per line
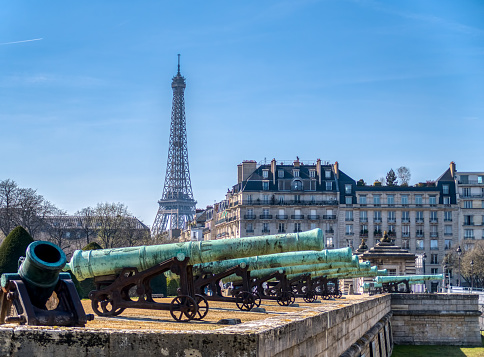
column 436, row 319
column 314, row 332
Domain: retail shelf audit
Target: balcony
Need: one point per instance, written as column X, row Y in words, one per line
column 249, row 216
column 434, row 220
column 377, row 234
column 405, row 220
column 392, row 220
column 468, row 223
column 447, row 219
column 363, row 219
column 405, row 235
column 249, row 231
column 281, row 216
column 377, row 220
column 419, row 235
column 266, row 231
column 470, row 182
column 349, row 233
column 329, row 216
column 447, row 233
column 313, row 216
column 348, row 219
column 469, row 237
column 297, row 216
column 329, row 231
column 281, row 231
column 419, row 220
column 364, row 233
column 265, row 216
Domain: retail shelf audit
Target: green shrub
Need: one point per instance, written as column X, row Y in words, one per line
column 12, row 248
column 172, row 286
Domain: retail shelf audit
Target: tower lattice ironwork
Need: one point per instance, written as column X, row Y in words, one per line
column 176, row 206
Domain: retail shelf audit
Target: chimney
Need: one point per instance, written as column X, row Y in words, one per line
column 452, row 169
column 318, row 169
column 273, row 171
column 336, row 169
column 239, row 173
column 296, row 163
column 248, row 167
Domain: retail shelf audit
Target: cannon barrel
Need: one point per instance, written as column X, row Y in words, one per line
column 301, row 269
column 39, row 271
column 409, row 278
column 327, row 256
column 87, row 264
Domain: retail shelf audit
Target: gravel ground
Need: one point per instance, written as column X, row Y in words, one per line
column 162, row 320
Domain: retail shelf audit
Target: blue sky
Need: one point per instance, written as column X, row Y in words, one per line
column 85, row 91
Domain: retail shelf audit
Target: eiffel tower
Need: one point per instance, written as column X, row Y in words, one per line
column 176, row 206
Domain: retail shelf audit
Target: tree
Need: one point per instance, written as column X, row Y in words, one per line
column 57, row 228
column 471, row 274
column 12, row 248
column 110, row 218
column 134, row 232
column 87, row 223
column 22, row 207
column 391, row 178
column 404, row 175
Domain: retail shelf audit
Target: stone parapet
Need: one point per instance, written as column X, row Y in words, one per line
column 436, row 319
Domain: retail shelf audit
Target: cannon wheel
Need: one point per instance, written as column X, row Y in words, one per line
column 309, row 297
column 184, row 305
column 107, row 305
column 245, row 301
column 256, row 299
column 285, row 298
column 202, row 307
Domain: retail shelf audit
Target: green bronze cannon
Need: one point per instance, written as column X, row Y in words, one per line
column 28, row 290
column 391, row 284
column 91, row 263
column 117, row 271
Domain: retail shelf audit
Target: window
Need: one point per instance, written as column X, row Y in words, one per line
column 464, row 179
column 377, row 216
column 348, row 215
column 250, row 228
column 265, row 228
column 265, row 213
column 419, row 217
column 467, row 204
column 297, row 227
column 329, row 185
column 348, row 189
column 447, row 230
column 249, row 199
column 265, row 185
column 313, row 199
column 327, row 174
column 434, row 259
column 434, row 271
column 418, row 200
column 295, row 173
column 280, row 173
column 469, row 220
column 297, row 185
column 391, row 216
column 434, row 244
column 404, row 199
column 405, row 216
column 480, row 179
column 405, row 244
column 376, row 200
column 265, row 199
column 447, row 201
column 312, row 173
column 281, row 200
column 448, row 216
column 349, row 243
column 362, row 199
column 390, row 199
column 468, row 233
column 433, row 231
column 250, row 213
column 349, row 229
column 364, row 230
column 445, row 189
column 419, row 244
column 281, row 228
column 348, row 200
column 391, row 230
column 405, row 231
column 433, row 217
column 466, row 192
column 297, row 198
column 265, row 173
column 377, row 229
column 329, row 242
column 448, row 244
column 363, row 216
column 433, row 200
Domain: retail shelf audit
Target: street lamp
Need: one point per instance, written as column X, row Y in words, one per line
column 459, row 252
column 424, row 256
column 472, row 275
column 445, row 279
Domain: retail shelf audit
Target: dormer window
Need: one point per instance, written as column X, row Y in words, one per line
column 327, row 174
column 312, row 173
column 280, row 173
column 295, row 173
column 265, row 173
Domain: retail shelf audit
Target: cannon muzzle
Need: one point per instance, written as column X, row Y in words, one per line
column 409, row 278
column 87, row 264
column 40, row 271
